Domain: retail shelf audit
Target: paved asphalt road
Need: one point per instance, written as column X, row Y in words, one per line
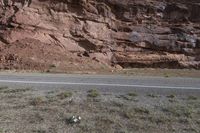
column 105, row 83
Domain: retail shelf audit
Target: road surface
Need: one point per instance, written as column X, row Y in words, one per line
column 102, row 82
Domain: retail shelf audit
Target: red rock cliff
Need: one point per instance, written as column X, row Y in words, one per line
column 85, row 34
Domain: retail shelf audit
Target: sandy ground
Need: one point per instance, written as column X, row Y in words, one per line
column 27, row 110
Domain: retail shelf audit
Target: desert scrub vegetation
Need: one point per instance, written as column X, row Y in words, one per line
column 93, row 93
column 1, row 130
column 171, row 96
column 166, row 75
column 21, row 90
column 52, row 66
column 141, row 110
column 3, row 88
column 134, row 112
column 38, row 101
column 192, row 98
column 152, row 95
column 179, row 111
column 32, row 113
column 132, row 94
column 64, row 95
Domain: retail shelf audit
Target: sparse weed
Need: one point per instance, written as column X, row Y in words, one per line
column 179, row 111
column 65, row 94
column 127, row 97
column 129, row 114
column 50, row 92
column 152, row 95
column 171, row 96
column 184, row 120
column 166, row 75
column 51, row 98
column 1, row 130
column 172, row 100
column 117, row 104
column 52, row 66
column 93, row 93
column 3, row 88
column 141, row 110
column 132, row 94
column 192, row 98
column 17, row 90
column 159, row 120
column 37, row 101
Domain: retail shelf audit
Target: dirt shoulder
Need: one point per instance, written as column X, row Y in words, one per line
column 162, row 72
column 127, row 72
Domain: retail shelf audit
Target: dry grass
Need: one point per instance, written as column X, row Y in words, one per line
column 30, row 113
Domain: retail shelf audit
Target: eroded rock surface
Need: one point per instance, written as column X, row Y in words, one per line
column 85, row 34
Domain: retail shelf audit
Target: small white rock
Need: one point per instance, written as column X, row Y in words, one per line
column 79, row 118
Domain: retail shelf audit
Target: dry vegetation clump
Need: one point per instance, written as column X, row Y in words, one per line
column 93, row 93
column 3, row 88
column 179, row 111
column 192, row 98
column 132, row 94
column 171, row 96
column 65, row 94
column 38, row 101
column 21, row 90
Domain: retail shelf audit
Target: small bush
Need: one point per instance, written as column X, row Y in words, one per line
column 64, row 95
column 171, row 96
column 142, row 110
column 128, row 97
column 179, row 111
column 129, row 114
column 132, row 94
column 192, row 98
column 37, row 101
column 1, row 130
column 3, row 88
column 93, row 93
column 166, row 75
column 52, row 66
column 17, row 90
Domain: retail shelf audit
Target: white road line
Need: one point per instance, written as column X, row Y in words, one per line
column 96, row 84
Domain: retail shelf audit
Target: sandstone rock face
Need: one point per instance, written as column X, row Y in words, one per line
column 85, row 34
